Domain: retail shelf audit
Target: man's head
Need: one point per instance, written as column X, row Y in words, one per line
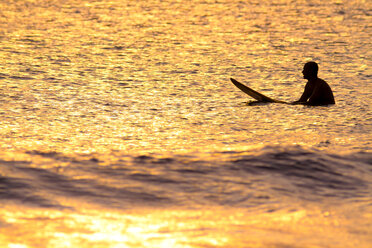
column 310, row 70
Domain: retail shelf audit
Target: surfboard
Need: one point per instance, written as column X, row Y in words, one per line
column 252, row 93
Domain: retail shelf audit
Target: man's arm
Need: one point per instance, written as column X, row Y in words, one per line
column 307, row 93
column 315, row 98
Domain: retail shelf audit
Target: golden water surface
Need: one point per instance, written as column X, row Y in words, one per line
column 106, row 80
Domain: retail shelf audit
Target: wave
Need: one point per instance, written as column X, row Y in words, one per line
column 247, row 179
column 312, row 174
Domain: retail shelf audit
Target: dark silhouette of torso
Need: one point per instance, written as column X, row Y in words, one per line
column 317, row 92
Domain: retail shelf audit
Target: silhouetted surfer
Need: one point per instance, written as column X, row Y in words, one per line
column 317, row 91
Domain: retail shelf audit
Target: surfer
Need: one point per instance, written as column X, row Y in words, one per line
column 317, row 92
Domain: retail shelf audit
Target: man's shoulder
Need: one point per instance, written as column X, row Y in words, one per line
column 322, row 83
column 319, row 80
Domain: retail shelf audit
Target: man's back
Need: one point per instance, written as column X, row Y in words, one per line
column 321, row 94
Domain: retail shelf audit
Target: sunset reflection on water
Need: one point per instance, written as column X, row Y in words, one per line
column 120, row 127
column 214, row 227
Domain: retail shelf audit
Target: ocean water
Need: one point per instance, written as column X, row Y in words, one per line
column 120, row 126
